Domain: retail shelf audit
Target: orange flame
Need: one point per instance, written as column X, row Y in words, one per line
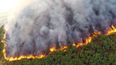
column 86, row 41
column 53, row 49
column 111, row 30
column 20, row 57
column 27, row 57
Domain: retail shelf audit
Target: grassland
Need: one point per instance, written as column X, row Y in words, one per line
column 101, row 51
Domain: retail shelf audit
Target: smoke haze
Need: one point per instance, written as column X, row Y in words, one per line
column 36, row 27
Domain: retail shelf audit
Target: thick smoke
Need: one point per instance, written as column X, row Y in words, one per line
column 46, row 23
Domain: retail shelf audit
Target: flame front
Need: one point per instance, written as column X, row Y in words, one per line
column 110, row 31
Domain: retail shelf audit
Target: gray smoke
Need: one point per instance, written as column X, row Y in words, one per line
column 46, row 23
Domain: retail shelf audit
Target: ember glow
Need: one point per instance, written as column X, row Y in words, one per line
column 37, row 28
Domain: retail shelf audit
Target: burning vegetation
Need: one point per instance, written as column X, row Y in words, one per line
column 44, row 27
column 86, row 41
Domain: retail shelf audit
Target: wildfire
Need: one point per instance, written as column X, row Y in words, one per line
column 85, row 42
column 63, row 48
column 27, row 57
column 111, row 30
column 53, row 49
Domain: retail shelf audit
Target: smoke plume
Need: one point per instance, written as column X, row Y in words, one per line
column 42, row 24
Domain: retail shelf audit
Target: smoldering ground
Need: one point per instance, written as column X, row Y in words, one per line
column 35, row 28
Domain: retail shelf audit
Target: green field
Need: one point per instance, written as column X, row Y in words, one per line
column 101, row 51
